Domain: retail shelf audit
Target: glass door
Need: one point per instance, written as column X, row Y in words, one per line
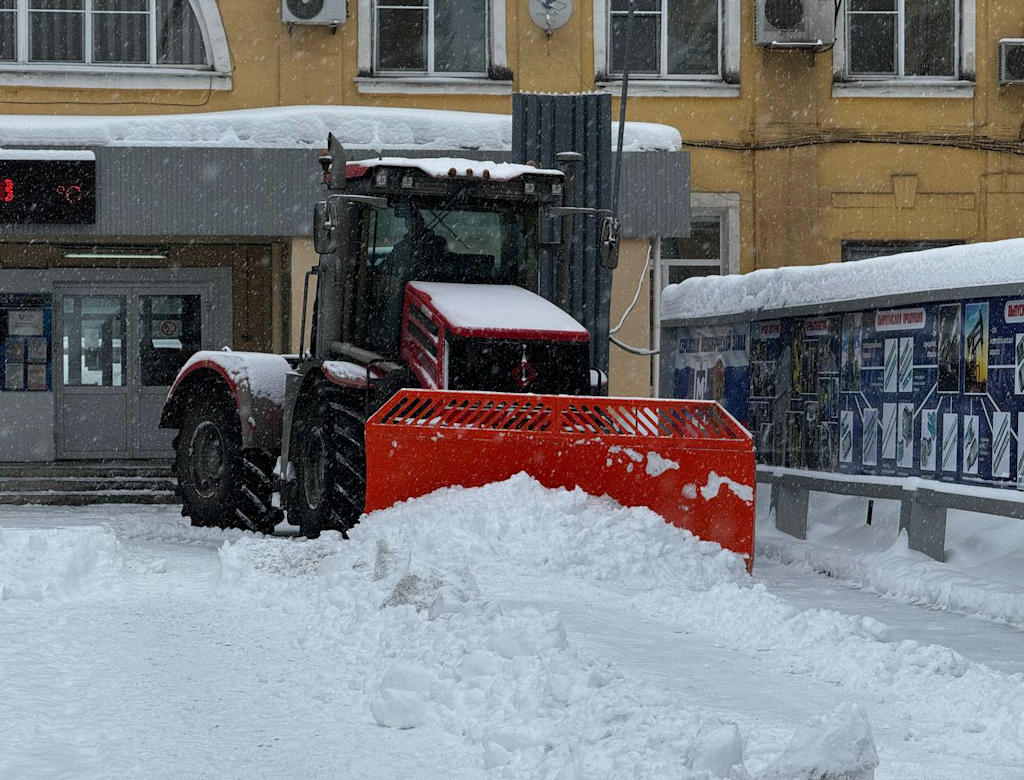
column 170, row 327
column 92, row 393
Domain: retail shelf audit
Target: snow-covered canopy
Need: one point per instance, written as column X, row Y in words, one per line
column 358, row 127
column 953, row 268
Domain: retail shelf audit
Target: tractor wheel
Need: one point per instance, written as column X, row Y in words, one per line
column 220, row 483
column 329, row 461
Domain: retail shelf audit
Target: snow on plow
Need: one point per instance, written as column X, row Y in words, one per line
column 688, row 461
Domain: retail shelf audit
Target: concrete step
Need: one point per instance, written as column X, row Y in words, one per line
column 78, row 483
column 87, row 497
column 82, row 484
column 88, row 468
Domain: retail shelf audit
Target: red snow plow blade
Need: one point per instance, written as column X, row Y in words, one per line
column 688, row 461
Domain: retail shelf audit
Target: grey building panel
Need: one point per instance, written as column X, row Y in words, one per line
column 223, row 191
column 543, row 126
column 655, row 198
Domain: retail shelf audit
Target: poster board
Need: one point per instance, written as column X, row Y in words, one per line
column 933, row 390
column 26, row 325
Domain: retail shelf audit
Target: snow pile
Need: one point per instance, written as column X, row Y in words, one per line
column 953, row 268
column 838, row 746
column 357, row 127
column 401, row 607
column 58, row 563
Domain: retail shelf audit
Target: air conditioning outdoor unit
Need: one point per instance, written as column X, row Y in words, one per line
column 796, row 24
column 1011, row 61
column 329, row 12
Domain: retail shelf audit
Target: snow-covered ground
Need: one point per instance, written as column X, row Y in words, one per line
column 507, row 631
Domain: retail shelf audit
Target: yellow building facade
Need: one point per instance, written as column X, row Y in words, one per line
column 798, row 156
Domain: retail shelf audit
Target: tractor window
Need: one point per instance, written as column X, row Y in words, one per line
column 408, row 243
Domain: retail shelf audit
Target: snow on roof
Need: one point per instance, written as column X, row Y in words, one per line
column 46, row 154
column 769, row 290
column 357, row 127
column 497, row 309
column 443, row 167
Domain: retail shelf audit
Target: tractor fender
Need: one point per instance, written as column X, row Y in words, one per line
column 254, row 380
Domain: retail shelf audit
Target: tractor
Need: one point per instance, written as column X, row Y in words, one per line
column 428, row 327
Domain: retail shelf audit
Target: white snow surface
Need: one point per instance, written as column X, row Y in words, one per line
column 496, row 307
column 508, row 631
column 956, row 268
column 46, row 154
column 442, row 167
column 357, row 127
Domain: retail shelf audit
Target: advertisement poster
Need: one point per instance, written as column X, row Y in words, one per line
column 976, row 348
column 906, row 365
column 851, row 349
column 870, row 437
column 950, row 441
column 972, row 444
column 905, row 436
column 929, row 431
column 25, row 322
column 846, row 437
column 1001, row 440
column 891, row 365
column 712, row 365
column 889, row 431
column 1020, row 450
column 1018, row 364
column 949, row 348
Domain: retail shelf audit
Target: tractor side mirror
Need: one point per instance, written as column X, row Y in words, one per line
column 610, row 243
column 325, row 229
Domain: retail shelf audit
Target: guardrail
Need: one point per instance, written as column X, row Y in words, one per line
column 923, row 503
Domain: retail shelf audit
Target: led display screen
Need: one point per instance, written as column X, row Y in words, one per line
column 47, row 191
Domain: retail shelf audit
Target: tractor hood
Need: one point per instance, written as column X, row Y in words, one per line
column 497, row 311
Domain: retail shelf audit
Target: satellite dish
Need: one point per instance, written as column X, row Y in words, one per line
column 549, row 15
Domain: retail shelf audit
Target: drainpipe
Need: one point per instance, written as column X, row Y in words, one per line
column 656, row 286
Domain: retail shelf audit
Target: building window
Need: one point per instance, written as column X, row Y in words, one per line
column 671, row 38
column 699, row 255
column 431, row 37
column 902, row 38
column 104, row 33
column 865, row 250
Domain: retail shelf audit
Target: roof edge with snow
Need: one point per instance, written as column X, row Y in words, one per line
column 357, row 127
column 949, row 273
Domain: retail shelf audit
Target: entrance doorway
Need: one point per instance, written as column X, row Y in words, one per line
column 117, row 352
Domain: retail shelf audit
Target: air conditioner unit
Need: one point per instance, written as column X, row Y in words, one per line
column 1011, row 61
column 796, row 24
column 329, row 12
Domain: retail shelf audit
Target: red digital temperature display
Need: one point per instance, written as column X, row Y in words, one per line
column 47, row 191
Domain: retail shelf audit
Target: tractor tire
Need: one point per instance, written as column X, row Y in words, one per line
column 329, row 462
column 221, row 483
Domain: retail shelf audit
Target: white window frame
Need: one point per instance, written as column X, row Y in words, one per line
column 725, row 84
column 405, row 82
column 725, row 206
column 960, row 85
column 215, row 74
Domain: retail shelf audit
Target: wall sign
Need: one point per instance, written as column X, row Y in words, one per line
column 47, row 187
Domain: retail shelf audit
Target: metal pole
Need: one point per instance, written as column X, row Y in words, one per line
column 656, row 284
column 622, row 109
